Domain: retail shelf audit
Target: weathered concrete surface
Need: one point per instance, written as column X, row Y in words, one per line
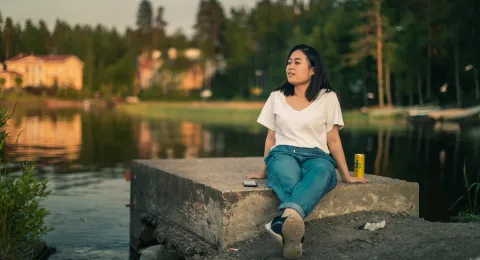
column 206, row 197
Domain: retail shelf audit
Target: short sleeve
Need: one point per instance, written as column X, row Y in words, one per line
column 334, row 112
column 267, row 117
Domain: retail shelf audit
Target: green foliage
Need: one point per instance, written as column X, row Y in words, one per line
column 21, row 215
column 419, row 36
column 1, row 38
column 473, row 197
column 18, row 82
column 210, row 27
column 69, row 93
column 106, row 92
column 145, row 16
column 3, row 134
column 158, row 93
column 178, row 40
column 1, row 22
column 119, row 76
column 471, row 211
column 22, row 222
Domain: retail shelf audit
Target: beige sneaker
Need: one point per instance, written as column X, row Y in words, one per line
column 293, row 231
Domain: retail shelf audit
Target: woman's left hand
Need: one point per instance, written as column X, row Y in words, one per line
column 352, row 179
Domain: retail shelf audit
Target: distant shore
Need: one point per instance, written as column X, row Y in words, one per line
column 235, row 113
column 34, row 102
column 243, row 113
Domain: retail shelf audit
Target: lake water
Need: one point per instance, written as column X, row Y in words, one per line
column 85, row 154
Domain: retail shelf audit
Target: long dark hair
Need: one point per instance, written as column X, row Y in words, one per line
column 319, row 80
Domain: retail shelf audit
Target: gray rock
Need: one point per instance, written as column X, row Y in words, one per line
column 166, row 255
column 158, row 252
column 151, row 253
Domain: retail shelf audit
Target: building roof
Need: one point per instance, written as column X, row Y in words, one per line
column 10, row 72
column 49, row 57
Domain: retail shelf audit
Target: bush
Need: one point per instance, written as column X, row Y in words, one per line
column 156, row 93
column 69, row 93
column 22, row 217
column 471, row 208
column 40, row 91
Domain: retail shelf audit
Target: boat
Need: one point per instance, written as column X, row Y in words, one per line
column 421, row 114
column 466, row 116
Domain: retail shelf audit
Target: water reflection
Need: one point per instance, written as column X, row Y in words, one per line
column 83, row 152
column 45, row 138
column 101, row 139
column 168, row 139
column 435, row 159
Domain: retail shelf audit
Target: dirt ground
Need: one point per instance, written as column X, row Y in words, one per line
column 403, row 237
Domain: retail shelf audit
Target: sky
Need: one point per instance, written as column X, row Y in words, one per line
column 111, row 13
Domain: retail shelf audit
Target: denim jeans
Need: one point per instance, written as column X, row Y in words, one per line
column 300, row 177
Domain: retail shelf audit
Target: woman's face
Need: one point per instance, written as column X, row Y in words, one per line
column 298, row 69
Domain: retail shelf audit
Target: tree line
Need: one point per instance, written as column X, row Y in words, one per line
column 382, row 52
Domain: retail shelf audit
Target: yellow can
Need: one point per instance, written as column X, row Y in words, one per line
column 359, row 168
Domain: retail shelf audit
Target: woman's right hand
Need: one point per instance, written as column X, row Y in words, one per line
column 257, row 175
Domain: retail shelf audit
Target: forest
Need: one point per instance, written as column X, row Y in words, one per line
column 378, row 52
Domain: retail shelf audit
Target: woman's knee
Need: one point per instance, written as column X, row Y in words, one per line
column 322, row 175
column 283, row 171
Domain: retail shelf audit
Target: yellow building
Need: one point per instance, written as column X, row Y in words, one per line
column 8, row 79
column 150, row 72
column 48, row 70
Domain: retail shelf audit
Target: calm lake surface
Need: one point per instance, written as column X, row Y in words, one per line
column 85, row 154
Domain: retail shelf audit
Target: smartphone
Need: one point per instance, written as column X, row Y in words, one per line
column 250, row 183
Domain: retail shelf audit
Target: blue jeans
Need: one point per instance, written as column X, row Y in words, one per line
column 300, row 177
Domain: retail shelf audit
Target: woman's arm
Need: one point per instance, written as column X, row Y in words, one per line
column 335, row 146
column 269, row 142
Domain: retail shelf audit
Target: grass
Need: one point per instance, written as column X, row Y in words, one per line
column 208, row 113
column 26, row 101
column 472, row 209
column 472, row 212
column 243, row 114
column 19, row 96
column 22, row 99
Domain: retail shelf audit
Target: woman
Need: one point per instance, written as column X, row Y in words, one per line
column 303, row 117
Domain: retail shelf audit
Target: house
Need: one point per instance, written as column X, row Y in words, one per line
column 147, row 68
column 150, row 72
column 50, row 70
column 9, row 79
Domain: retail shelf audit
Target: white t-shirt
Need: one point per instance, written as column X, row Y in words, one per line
column 304, row 128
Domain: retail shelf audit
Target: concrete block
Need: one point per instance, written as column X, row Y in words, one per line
column 206, row 197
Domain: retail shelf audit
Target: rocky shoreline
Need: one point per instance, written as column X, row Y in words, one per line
column 39, row 251
column 403, row 237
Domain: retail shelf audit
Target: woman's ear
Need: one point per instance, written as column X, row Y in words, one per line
column 312, row 71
